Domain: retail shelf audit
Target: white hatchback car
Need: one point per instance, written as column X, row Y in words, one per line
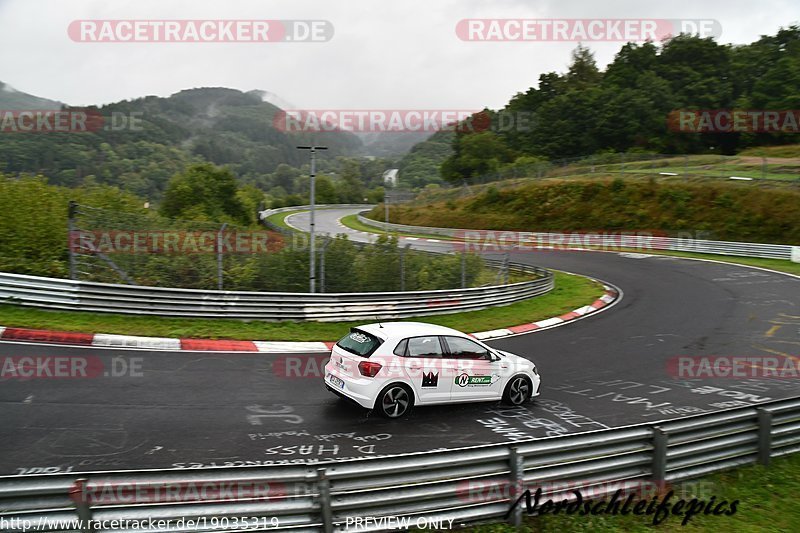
column 394, row 366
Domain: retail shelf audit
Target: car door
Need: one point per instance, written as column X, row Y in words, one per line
column 478, row 373
column 422, row 362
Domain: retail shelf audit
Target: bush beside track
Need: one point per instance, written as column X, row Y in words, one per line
column 719, row 211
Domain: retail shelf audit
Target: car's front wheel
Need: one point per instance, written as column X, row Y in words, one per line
column 394, row 401
column 518, row 391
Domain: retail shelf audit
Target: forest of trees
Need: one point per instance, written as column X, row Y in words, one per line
column 222, row 126
column 625, row 107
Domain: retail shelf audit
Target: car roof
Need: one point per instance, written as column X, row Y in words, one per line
column 401, row 330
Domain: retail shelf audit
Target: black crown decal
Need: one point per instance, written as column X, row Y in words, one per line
column 430, row 379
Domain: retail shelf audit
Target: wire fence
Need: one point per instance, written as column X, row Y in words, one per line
column 116, row 247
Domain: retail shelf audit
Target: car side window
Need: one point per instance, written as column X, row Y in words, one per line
column 461, row 348
column 424, row 347
column 401, row 347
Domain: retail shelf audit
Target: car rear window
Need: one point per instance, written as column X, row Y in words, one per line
column 359, row 342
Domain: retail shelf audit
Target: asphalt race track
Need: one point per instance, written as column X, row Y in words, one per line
column 192, row 409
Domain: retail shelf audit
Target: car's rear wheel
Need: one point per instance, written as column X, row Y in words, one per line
column 518, row 391
column 394, row 401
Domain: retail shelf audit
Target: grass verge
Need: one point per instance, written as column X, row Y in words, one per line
column 766, row 503
column 279, row 219
column 570, row 293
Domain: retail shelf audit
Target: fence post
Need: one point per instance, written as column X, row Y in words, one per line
column 72, row 211
column 660, row 442
column 219, row 256
column 403, row 251
column 77, row 493
column 463, row 270
column 324, row 488
column 517, row 481
column 506, row 264
column 325, row 244
column 764, row 435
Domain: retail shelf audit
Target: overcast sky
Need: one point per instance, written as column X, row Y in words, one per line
column 385, row 54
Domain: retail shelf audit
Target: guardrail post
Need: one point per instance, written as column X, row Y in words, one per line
column 764, row 435
column 795, row 254
column 516, row 483
column 324, row 488
column 660, row 443
column 77, row 493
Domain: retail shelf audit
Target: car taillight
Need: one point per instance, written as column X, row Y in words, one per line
column 369, row 368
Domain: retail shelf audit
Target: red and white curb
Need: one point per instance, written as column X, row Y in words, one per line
column 223, row 345
column 607, row 299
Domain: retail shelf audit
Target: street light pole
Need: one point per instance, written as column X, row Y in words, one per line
column 312, row 286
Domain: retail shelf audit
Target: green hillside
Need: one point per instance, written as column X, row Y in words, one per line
column 10, row 99
column 723, row 211
column 218, row 125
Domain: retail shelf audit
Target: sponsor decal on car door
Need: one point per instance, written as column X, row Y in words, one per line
column 422, row 363
column 477, row 376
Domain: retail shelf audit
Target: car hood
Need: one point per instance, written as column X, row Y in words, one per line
column 518, row 362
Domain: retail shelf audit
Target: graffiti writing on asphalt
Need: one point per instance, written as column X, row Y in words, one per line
column 271, row 462
column 304, row 449
column 507, row 421
column 567, row 414
column 643, row 398
column 283, row 412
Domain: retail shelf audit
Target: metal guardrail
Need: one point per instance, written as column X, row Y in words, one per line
column 642, row 242
column 64, row 294
column 422, row 487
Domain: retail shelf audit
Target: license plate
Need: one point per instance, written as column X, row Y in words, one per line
column 336, row 381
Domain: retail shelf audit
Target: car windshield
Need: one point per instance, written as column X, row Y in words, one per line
column 359, row 342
